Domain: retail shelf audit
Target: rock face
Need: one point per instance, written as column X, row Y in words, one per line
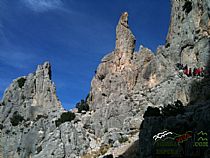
column 125, row 40
column 126, row 83
column 28, row 112
column 115, row 93
column 188, row 42
column 189, row 27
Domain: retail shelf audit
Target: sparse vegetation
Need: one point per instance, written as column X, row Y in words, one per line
column 173, row 109
column 39, row 149
column 21, row 82
column 16, row 119
column 2, row 104
column 1, row 126
column 187, row 7
column 41, row 116
column 65, row 117
column 82, row 106
column 123, row 139
column 101, row 77
column 95, row 154
column 23, row 97
column 106, row 130
column 18, row 150
column 152, row 111
column 7, row 131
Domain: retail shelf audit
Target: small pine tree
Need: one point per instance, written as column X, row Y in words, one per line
column 82, row 106
column 65, row 117
column 21, row 82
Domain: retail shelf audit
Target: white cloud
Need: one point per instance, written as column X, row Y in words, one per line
column 16, row 58
column 43, row 5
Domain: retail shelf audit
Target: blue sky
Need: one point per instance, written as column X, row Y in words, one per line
column 73, row 35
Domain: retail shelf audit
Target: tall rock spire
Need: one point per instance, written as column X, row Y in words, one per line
column 125, row 40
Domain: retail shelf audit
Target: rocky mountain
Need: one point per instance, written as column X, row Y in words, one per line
column 127, row 101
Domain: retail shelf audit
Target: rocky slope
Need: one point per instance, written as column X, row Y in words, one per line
column 125, row 84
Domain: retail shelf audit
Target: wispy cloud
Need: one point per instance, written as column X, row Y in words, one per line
column 16, row 58
column 43, row 5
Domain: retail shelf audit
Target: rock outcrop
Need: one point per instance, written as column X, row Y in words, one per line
column 189, row 27
column 188, row 42
column 28, row 113
column 114, row 97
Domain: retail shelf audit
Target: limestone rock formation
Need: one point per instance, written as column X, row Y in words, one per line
column 125, row 40
column 28, row 113
column 189, row 26
column 188, row 42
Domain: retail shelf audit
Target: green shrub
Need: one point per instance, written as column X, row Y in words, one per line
column 2, row 104
column 101, row 77
column 21, row 82
column 173, row 109
column 187, row 7
column 16, row 119
column 65, row 117
column 123, row 139
column 152, row 111
column 41, row 116
column 39, row 149
column 23, row 97
column 18, row 150
column 1, row 126
column 7, row 131
column 82, row 106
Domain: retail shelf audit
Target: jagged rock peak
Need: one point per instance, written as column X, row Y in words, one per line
column 35, row 91
column 46, row 69
column 125, row 40
column 124, row 19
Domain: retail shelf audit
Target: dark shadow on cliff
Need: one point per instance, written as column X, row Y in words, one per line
column 190, row 126
column 183, row 132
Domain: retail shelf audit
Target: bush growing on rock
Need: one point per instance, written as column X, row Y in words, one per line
column 101, row 77
column 123, row 139
column 187, row 7
column 21, row 82
column 65, row 117
column 82, row 106
column 16, row 118
column 1, row 126
column 39, row 149
column 152, row 111
column 173, row 109
column 2, row 104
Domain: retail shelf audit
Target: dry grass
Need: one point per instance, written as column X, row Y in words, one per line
column 95, row 154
